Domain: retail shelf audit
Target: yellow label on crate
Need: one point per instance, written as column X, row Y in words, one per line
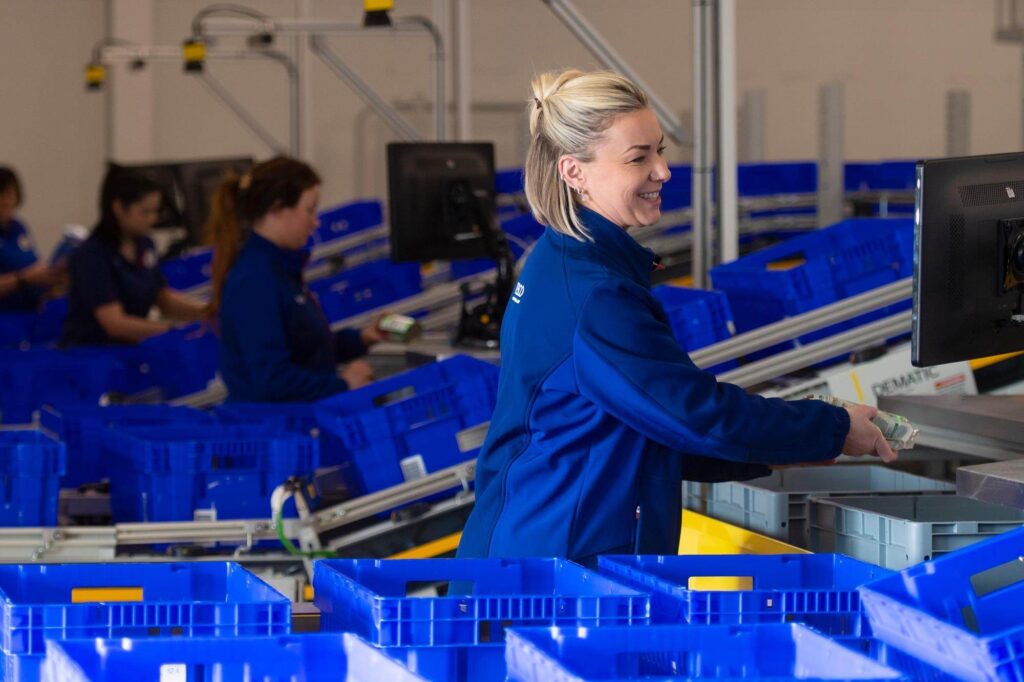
column 720, row 583
column 89, row 595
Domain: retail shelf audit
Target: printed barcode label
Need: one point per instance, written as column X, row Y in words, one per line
column 173, row 672
column 413, row 468
column 472, row 438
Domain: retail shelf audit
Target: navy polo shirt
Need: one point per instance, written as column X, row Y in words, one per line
column 101, row 275
column 17, row 252
column 276, row 343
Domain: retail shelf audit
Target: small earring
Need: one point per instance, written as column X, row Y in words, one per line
column 582, row 192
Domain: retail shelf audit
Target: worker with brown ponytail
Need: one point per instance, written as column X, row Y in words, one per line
column 276, row 344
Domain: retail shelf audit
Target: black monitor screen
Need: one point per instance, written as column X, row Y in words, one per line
column 441, row 200
column 198, row 181
column 968, row 258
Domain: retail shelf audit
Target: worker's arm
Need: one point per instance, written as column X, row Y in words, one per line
column 178, row 306
column 124, row 327
column 628, row 362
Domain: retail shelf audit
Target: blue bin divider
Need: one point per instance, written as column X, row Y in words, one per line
column 313, row 657
column 819, row 590
column 521, row 231
column 698, row 318
column 409, row 439
column 684, row 652
column 347, row 219
column 369, row 597
column 188, row 271
column 42, row 602
column 31, row 464
column 365, row 287
column 914, row 668
column 843, row 260
column 960, row 612
column 81, row 428
column 166, row 473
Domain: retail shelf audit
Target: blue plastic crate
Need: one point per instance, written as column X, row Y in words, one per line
column 167, row 473
column 31, row 464
column 35, row 377
column 347, row 219
column 292, row 417
column 698, row 317
column 365, row 287
column 411, row 438
column 426, row 378
column 63, row 601
column 369, row 597
column 16, row 329
column 684, row 652
column 826, row 266
column 452, row 663
column 189, row 271
column 309, row 658
column 81, row 428
column 180, row 362
column 49, row 323
column 961, row 612
column 819, row 590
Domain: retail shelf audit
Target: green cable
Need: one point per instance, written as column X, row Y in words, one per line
column 292, row 549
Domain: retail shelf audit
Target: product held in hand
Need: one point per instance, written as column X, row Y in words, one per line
column 898, row 431
column 400, row 328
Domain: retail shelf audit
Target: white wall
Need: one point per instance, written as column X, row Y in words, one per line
column 51, row 130
column 897, row 58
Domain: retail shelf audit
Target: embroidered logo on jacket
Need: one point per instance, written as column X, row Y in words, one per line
column 518, row 295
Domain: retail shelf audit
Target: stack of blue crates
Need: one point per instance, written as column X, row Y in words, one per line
column 409, row 425
column 190, row 270
column 348, row 219
column 32, row 463
column 815, row 270
column 82, row 429
column 366, row 287
column 167, row 473
column 73, row 601
column 34, row 377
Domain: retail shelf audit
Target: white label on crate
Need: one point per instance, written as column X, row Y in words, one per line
column 413, row 468
column 173, row 672
column 473, row 437
column 892, row 374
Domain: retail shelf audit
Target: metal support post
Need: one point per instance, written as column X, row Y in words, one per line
column 958, row 123
column 751, row 126
column 727, row 243
column 830, row 153
column 220, row 92
column 463, row 73
column 610, row 59
column 703, row 136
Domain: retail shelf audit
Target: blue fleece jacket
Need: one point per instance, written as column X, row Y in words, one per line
column 276, row 344
column 601, row 416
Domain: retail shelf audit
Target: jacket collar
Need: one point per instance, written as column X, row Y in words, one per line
column 615, row 248
column 290, row 261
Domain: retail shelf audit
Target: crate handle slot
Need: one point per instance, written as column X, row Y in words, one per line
column 720, row 583
column 998, row 577
column 92, row 595
column 395, row 396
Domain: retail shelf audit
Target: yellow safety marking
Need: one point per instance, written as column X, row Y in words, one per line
column 88, row 595
column 706, row 583
column 856, row 387
column 682, row 281
column 307, row 593
column 193, row 51
column 705, row 535
column 378, row 5
column 431, row 549
column 786, row 264
column 985, row 362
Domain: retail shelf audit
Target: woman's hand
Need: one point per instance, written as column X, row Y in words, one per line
column 40, row 275
column 372, row 334
column 864, row 437
column 357, row 374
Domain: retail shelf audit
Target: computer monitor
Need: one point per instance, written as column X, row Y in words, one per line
column 198, row 180
column 968, row 258
column 440, row 200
